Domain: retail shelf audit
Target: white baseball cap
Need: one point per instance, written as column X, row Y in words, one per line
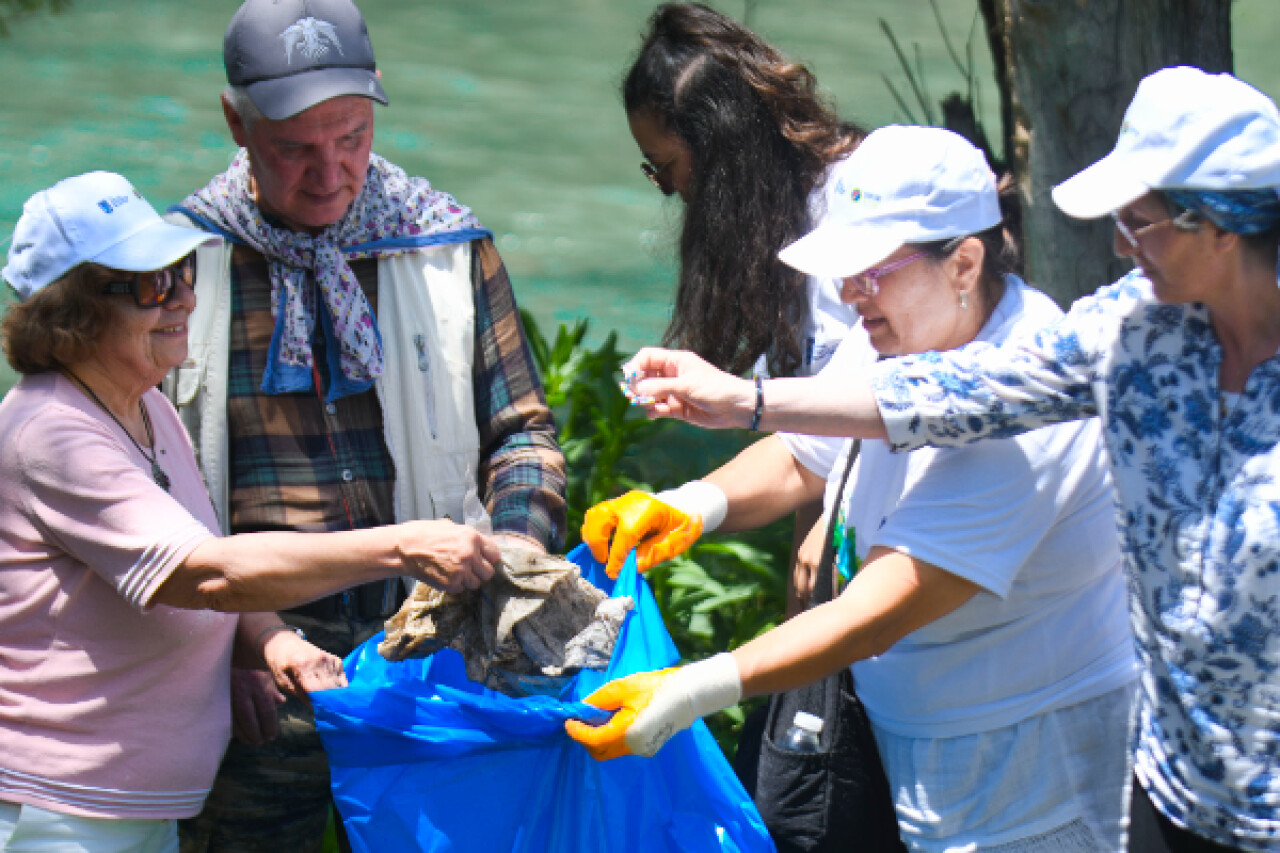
column 1185, row 129
column 902, row 184
column 97, row 217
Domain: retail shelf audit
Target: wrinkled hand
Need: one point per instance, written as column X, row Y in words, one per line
column 448, row 556
column 682, row 385
column 254, row 699
column 651, row 707
column 655, row 529
column 298, row 667
column 627, row 697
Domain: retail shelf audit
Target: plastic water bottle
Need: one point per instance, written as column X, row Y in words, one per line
column 803, row 734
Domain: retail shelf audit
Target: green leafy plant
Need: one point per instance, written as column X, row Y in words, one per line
column 723, row 591
column 596, row 424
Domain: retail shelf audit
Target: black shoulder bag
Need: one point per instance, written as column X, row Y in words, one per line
column 836, row 799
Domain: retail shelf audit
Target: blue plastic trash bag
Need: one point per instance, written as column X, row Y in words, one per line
column 423, row 759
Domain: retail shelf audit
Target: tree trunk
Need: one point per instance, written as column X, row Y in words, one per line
column 1067, row 70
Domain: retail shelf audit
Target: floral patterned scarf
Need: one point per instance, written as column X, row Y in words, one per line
column 393, row 214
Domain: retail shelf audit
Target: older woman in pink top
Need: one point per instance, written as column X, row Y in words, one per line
column 117, row 601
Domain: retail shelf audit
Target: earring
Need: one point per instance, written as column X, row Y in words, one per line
column 964, row 300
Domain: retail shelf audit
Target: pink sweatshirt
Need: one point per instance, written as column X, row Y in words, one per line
column 108, row 707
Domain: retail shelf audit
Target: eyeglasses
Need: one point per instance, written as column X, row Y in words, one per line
column 867, row 282
column 156, row 288
column 1185, row 219
column 655, row 174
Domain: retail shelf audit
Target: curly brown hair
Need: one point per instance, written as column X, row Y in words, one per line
column 59, row 325
column 761, row 139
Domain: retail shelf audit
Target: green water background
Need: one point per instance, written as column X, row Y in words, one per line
column 512, row 105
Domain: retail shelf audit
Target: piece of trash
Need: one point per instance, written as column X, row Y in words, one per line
column 628, row 386
column 531, row 627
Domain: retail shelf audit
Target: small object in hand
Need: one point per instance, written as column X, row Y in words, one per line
column 532, row 626
column 628, row 386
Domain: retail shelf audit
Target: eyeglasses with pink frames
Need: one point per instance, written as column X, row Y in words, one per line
column 867, row 282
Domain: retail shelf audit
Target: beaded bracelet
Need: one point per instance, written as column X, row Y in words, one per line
column 755, row 418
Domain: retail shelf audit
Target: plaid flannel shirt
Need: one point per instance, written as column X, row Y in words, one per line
column 299, row 463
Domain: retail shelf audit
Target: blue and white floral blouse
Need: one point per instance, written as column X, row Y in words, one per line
column 1197, row 478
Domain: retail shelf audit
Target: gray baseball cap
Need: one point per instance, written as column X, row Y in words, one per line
column 290, row 55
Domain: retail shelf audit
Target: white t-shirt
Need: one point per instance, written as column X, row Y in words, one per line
column 829, row 319
column 829, row 322
column 821, row 454
column 1031, row 521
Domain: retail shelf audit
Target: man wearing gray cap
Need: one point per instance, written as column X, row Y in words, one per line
column 357, row 359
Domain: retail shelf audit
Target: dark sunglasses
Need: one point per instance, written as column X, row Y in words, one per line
column 156, row 288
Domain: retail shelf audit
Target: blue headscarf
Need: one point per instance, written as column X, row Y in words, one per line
column 1244, row 212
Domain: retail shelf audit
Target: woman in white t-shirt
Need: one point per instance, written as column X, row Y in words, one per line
column 740, row 134
column 987, row 627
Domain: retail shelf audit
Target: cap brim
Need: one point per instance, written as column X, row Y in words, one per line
column 285, row 97
column 1106, row 186
column 154, row 247
column 835, row 251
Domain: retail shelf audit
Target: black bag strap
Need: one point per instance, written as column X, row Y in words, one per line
column 823, row 584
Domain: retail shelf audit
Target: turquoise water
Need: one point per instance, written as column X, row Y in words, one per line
column 512, row 106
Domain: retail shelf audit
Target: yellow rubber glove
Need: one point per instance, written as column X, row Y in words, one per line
column 655, row 529
column 650, row 707
column 625, row 696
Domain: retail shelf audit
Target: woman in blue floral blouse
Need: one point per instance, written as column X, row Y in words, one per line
column 1179, row 361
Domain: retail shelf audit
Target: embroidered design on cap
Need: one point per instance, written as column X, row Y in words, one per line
column 113, row 203
column 309, row 36
column 857, row 194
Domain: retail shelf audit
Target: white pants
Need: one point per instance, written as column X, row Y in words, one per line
column 28, row 829
column 1053, row 783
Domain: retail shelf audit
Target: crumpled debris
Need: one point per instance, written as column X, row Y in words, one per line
column 533, row 626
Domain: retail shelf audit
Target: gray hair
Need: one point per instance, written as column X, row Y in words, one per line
column 244, row 106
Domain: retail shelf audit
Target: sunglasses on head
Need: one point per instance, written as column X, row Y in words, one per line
column 156, row 288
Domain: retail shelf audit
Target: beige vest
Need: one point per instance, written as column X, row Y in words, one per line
column 426, row 314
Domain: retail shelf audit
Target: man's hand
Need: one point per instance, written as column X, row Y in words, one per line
column 254, row 699
column 651, row 707
column 657, row 530
column 450, row 557
column 681, row 385
column 298, row 667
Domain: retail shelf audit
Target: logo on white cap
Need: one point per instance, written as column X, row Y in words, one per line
column 308, row 36
column 115, row 202
column 857, row 195
column 94, row 218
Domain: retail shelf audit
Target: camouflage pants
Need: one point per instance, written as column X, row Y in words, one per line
column 275, row 798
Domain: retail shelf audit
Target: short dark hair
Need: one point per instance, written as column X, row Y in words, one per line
column 60, row 324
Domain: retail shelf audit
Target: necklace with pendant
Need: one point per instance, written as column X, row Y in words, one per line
column 157, row 473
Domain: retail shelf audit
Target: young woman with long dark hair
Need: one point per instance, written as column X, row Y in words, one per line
column 741, row 134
